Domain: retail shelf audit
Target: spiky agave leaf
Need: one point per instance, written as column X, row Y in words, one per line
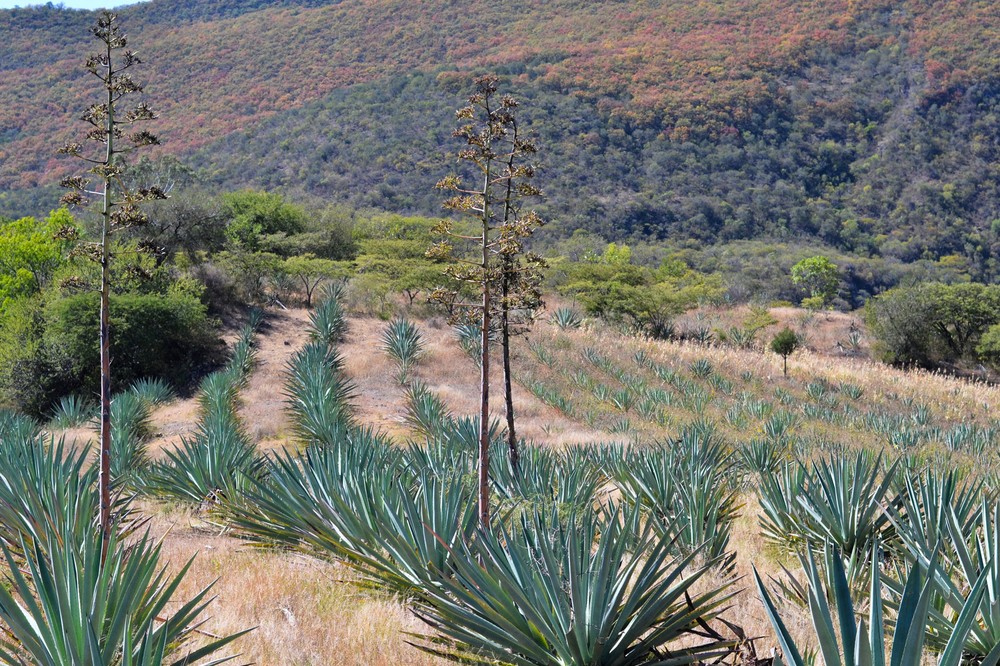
column 72, row 411
column 858, row 646
column 426, row 413
column 969, row 545
column 684, row 485
column 573, row 590
column 45, row 488
column 319, row 394
column 371, row 513
column 130, row 427
column 69, row 604
column 219, row 461
column 401, row 339
column 153, row 391
column 328, row 322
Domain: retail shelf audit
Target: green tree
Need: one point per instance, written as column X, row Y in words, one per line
column 119, row 205
column 310, row 271
column 932, row 323
column 784, row 344
column 820, row 277
column 417, row 277
column 30, row 253
column 253, row 215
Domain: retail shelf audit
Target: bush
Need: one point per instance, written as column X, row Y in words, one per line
column 931, row 324
column 168, row 337
column 48, row 351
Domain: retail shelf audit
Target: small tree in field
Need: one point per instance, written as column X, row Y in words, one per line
column 118, row 205
column 784, row 345
column 504, row 278
column 820, row 277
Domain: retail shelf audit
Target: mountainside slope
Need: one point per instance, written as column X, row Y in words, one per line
column 873, row 126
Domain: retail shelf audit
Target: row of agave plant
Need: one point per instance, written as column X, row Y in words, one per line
column 571, row 573
column 68, row 598
column 933, row 537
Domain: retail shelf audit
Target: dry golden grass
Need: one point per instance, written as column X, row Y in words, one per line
column 451, row 375
column 304, row 611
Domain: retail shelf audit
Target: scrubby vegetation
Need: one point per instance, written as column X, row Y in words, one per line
column 738, row 460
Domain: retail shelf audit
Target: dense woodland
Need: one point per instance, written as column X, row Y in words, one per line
column 865, row 128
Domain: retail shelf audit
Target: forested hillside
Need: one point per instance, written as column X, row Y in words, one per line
column 870, row 126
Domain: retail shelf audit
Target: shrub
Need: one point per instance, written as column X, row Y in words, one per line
column 167, row 337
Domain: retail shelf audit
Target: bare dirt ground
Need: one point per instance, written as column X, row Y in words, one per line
column 262, row 401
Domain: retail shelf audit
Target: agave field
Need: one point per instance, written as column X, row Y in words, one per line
column 872, row 499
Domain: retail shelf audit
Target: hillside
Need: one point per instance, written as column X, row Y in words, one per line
column 870, row 126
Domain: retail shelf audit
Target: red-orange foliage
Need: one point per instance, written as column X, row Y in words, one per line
column 698, row 66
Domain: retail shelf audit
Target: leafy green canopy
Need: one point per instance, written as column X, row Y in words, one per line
column 30, row 253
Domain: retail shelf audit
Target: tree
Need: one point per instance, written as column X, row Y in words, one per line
column 253, row 215
column 932, row 323
column 118, row 205
column 310, row 272
column 820, row 277
column 496, row 152
column 30, row 253
column 784, row 345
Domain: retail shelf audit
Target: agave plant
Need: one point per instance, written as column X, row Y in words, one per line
column 319, row 394
column 470, row 340
column 567, row 318
column 72, row 411
column 360, row 503
column 969, row 543
column 218, row 392
column 328, row 322
column 130, row 426
column 762, row 456
column 683, row 486
column 153, row 392
column 838, row 500
column 219, row 461
column 843, row 502
column 68, row 602
column 15, row 426
column 45, row 487
column 782, row 519
column 546, row 476
column 861, row 646
column 402, row 341
column 573, row 590
column 426, row 413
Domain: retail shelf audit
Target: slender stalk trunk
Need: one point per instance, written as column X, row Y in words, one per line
column 508, row 270
column 104, row 476
column 515, row 454
column 784, row 360
column 484, row 411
